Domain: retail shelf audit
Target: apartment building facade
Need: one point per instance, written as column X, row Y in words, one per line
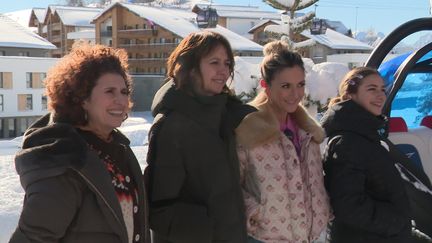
column 149, row 34
column 60, row 21
column 148, row 44
column 22, row 98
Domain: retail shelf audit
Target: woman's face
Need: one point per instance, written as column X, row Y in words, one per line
column 214, row 72
column 287, row 89
column 371, row 94
column 108, row 103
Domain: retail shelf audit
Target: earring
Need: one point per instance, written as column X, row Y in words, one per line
column 126, row 117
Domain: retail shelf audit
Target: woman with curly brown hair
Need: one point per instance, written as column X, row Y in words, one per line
column 82, row 181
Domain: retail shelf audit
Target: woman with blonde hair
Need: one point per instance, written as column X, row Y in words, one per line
column 278, row 148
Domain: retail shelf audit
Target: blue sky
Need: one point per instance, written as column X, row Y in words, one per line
column 381, row 15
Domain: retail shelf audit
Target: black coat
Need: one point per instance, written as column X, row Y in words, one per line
column 69, row 196
column 365, row 188
column 195, row 194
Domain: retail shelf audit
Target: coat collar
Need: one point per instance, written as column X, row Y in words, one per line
column 348, row 116
column 262, row 126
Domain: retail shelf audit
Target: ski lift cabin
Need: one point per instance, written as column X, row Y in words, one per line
column 207, row 18
column 318, row 27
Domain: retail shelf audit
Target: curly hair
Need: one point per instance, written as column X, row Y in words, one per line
column 350, row 83
column 70, row 82
column 188, row 54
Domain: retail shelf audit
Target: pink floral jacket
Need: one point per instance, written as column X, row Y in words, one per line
column 284, row 194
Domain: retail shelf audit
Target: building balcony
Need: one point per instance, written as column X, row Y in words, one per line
column 136, row 33
column 140, row 48
column 55, row 26
column 55, row 39
column 135, row 62
column 106, row 33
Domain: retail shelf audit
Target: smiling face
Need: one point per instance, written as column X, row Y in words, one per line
column 214, row 72
column 107, row 105
column 286, row 90
column 371, row 94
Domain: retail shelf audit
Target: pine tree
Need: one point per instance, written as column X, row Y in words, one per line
column 291, row 25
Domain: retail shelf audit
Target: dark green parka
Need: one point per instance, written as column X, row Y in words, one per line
column 195, row 193
column 69, row 196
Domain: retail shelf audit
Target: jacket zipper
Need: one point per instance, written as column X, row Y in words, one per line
column 100, row 195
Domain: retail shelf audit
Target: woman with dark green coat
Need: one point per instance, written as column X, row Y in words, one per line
column 194, row 185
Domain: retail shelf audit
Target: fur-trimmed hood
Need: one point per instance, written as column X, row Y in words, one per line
column 262, row 126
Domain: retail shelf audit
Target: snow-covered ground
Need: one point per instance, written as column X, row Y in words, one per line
column 135, row 128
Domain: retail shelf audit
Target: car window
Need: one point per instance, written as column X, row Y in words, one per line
column 413, row 101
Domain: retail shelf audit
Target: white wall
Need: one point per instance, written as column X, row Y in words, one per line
column 19, row 66
column 242, row 26
column 357, row 59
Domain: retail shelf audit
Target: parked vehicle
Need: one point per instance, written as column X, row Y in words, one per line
column 409, row 108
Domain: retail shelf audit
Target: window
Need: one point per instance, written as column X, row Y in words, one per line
column 42, row 77
column 162, row 40
column 5, row 80
column 29, row 102
column 144, row 26
column 413, row 100
column 2, row 53
column 24, row 53
column 109, row 28
column 29, row 80
column 44, row 102
column 1, row 103
column 25, row 102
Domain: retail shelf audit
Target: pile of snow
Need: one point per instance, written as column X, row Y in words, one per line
column 323, row 80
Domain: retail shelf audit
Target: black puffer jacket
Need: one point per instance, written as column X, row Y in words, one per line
column 195, row 194
column 69, row 194
column 365, row 188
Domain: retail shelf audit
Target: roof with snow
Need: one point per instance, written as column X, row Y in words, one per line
column 16, row 35
column 263, row 22
column 40, row 14
column 22, row 17
column 74, row 16
column 238, row 11
column 337, row 25
column 182, row 23
column 336, row 40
